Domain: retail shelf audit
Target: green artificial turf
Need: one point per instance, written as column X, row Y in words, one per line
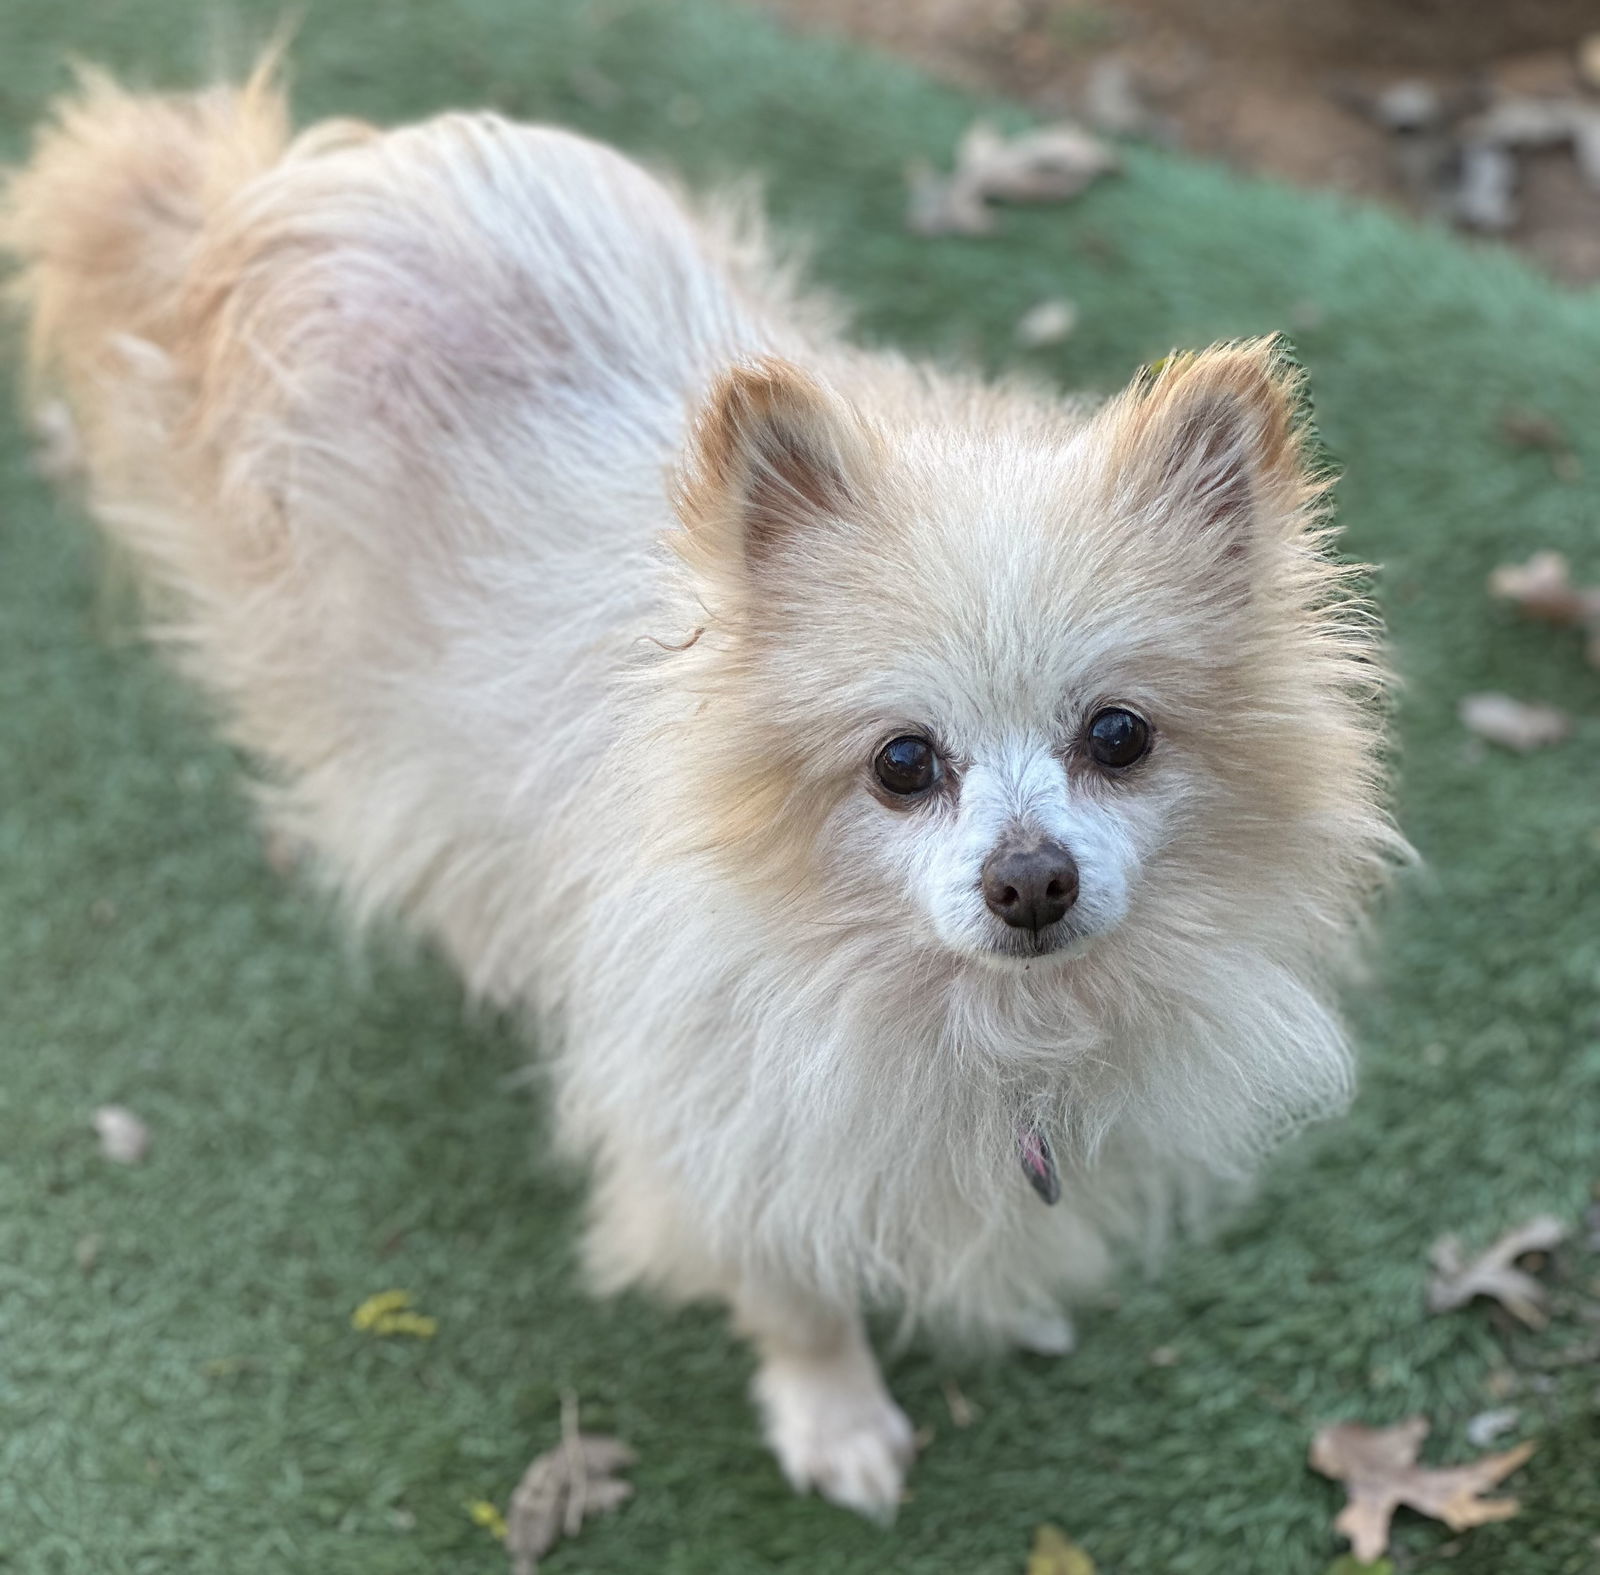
column 324, row 1129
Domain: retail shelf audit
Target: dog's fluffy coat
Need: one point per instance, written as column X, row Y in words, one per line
column 563, row 567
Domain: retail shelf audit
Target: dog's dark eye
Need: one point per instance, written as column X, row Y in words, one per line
column 1117, row 737
column 907, row 766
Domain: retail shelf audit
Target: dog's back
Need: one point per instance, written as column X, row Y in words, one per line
column 193, row 277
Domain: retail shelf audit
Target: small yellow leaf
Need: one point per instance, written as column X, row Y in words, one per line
column 379, row 1306
column 1053, row 1554
column 386, row 1313
column 484, row 1514
column 418, row 1324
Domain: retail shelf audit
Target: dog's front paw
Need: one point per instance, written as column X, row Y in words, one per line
column 834, row 1429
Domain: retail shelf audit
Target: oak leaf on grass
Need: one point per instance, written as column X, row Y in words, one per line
column 562, row 1488
column 1378, row 1466
column 1514, row 724
column 1457, row 1279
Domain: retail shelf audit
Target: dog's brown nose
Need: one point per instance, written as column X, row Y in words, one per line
column 1030, row 884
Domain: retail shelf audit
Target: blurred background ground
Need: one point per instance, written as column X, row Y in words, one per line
column 1284, row 88
column 181, row 1388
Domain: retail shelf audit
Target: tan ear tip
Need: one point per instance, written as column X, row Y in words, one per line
column 1255, row 375
column 1262, row 365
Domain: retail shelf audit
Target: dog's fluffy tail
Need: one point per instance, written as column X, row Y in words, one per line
column 105, row 216
column 120, row 228
column 106, row 224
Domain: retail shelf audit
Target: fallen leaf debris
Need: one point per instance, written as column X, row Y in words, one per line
column 1114, row 103
column 1487, row 1426
column 1513, row 724
column 1049, row 164
column 1054, row 1553
column 389, row 1313
column 1458, row 1279
column 1542, row 588
column 1534, row 429
column 1463, row 150
column 1048, row 323
column 562, row 1488
column 124, row 1138
column 483, row 1513
column 1378, row 1466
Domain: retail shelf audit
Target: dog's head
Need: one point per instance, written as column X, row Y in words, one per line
column 988, row 673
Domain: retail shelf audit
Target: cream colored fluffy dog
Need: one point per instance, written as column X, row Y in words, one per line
column 905, row 803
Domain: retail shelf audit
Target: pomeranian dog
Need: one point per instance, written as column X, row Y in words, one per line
column 925, row 819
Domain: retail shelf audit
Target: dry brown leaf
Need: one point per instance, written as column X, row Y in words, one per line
column 1513, row 724
column 1055, row 1554
column 124, row 1138
column 1378, row 1467
column 1046, row 165
column 1542, row 588
column 1457, row 1279
column 561, row 1488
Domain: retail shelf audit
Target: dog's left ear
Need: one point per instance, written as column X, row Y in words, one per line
column 775, row 455
column 1214, row 448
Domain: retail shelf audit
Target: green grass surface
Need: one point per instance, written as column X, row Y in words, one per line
column 198, row 1401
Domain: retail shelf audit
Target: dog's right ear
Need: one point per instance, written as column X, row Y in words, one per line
column 774, row 455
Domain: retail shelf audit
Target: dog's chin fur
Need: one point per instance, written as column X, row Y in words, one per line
column 564, row 568
column 1026, row 947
